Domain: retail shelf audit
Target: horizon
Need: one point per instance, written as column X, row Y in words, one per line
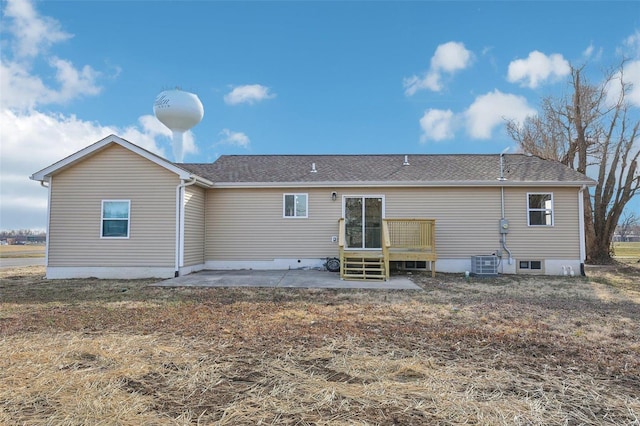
column 295, row 78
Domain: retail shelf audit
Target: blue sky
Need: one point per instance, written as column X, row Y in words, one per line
column 288, row 77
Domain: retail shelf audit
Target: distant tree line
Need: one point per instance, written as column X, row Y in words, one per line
column 23, row 235
column 628, row 228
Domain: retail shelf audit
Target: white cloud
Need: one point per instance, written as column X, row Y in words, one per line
column 631, row 45
column 631, row 76
column 451, row 57
column 74, row 82
column 490, row 110
column 22, row 90
column 431, row 81
column 588, row 51
column 29, row 37
column 537, row 69
column 448, row 59
column 436, row 125
column 591, row 53
column 630, row 51
column 250, row 94
column 233, row 138
column 487, row 112
column 32, row 34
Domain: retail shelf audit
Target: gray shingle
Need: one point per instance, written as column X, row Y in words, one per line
column 459, row 168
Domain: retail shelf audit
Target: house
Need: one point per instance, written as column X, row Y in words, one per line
column 626, row 237
column 117, row 210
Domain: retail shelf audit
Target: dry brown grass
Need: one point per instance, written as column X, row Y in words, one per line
column 15, row 251
column 511, row 350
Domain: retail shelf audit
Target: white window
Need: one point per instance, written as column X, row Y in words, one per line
column 540, row 209
column 295, row 205
column 530, row 264
column 115, row 219
column 530, row 267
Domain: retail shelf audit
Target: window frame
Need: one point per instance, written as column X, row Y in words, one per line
column 102, row 219
column 526, row 266
column 535, row 209
column 295, row 205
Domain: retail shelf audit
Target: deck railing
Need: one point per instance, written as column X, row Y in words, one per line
column 410, row 234
column 409, row 239
column 402, row 240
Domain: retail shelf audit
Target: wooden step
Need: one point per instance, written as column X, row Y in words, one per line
column 363, row 266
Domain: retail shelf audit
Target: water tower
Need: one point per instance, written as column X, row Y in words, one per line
column 179, row 111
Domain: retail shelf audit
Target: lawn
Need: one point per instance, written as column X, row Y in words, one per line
column 509, row 350
column 18, row 251
column 627, row 250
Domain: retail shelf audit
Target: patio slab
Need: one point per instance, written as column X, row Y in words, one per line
column 282, row 279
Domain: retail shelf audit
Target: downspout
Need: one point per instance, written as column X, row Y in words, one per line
column 504, row 225
column 504, row 234
column 583, row 247
column 48, row 235
column 180, row 222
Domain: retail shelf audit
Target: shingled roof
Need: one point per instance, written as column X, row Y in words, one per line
column 422, row 169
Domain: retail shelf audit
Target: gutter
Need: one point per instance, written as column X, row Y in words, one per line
column 402, row 184
column 180, row 222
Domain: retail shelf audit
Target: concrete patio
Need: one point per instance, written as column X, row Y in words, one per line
column 282, row 279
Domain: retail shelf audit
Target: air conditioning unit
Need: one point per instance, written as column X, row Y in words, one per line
column 484, row 265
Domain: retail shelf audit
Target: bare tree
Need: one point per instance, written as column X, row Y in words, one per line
column 627, row 225
column 593, row 134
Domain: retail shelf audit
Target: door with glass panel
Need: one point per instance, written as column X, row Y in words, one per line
column 363, row 222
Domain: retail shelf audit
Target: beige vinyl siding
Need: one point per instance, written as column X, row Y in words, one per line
column 466, row 218
column 247, row 224
column 560, row 241
column 194, row 225
column 114, row 173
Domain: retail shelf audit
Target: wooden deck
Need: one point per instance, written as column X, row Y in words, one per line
column 402, row 240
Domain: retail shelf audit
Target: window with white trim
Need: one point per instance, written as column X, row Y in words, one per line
column 295, row 205
column 540, row 209
column 115, row 219
column 530, row 264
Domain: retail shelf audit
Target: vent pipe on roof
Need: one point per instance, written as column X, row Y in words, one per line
column 406, row 160
column 313, row 168
column 504, row 151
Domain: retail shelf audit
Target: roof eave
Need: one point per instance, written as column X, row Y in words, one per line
column 200, row 181
column 338, row 184
column 45, row 174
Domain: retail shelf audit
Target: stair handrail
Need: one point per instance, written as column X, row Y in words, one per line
column 386, row 244
column 341, row 232
column 341, row 240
